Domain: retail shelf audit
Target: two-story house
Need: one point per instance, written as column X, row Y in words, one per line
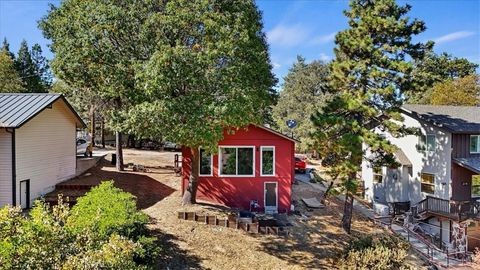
column 439, row 172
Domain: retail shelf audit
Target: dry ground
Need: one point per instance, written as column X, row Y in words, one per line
column 315, row 242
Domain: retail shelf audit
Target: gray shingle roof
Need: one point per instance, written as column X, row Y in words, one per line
column 472, row 164
column 16, row 109
column 456, row 119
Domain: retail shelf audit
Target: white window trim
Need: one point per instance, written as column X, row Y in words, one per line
column 220, row 162
column 434, row 183
column 478, row 144
column 261, row 160
column 200, row 162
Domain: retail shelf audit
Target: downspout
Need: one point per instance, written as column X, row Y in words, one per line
column 14, row 167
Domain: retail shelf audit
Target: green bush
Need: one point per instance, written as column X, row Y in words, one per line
column 58, row 238
column 107, row 210
column 376, row 252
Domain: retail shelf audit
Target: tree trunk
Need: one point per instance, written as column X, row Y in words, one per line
column 190, row 195
column 92, row 126
column 119, row 152
column 325, row 195
column 347, row 212
column 103, row 132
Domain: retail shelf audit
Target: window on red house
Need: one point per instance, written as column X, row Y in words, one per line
column 236, row 160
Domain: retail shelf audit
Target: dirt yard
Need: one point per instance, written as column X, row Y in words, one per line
column 314, row 242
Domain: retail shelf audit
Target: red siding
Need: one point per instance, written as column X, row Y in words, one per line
column 238, row 191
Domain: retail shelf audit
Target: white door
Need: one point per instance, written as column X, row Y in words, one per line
column 25, row 194
column 271, row 197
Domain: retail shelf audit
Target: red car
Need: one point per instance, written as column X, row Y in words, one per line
column 300, row 165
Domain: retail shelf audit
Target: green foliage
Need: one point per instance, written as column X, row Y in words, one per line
column 210, row 71
column 117, row 253
column 10, row 81
column 47, row 240
column 463, row 91
column 376, row 252
column 433, row 69
column 304, row 92
column 33, row 68
column 106, row 210
column 367, row 79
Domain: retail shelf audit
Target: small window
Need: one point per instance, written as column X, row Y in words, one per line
column 267, row 160
column 428, row 183
column 474, row 144
column 476, row 186
column 377, row 175
column 206, row 162
column 427, row 143
column 237, row 161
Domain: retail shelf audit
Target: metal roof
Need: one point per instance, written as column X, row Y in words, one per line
column 456, row 119
column 16, row 109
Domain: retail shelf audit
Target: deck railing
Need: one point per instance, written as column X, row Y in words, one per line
column 459, row 210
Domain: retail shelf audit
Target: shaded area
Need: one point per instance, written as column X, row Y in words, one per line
column 148, row 190
column 171, row 255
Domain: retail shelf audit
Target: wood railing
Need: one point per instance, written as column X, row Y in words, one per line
column 458, row 210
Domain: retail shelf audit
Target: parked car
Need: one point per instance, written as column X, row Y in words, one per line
column 82, row 147
column 300, row 165
column 171, row 146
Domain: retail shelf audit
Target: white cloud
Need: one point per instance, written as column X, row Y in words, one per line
column 323, row 39
column 276, row 65
column 284, row 35
column 325, row 57
column 453, row 36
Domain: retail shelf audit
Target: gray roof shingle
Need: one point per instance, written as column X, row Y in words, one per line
column 472, row 164
column 456, row 119
column 16, row 109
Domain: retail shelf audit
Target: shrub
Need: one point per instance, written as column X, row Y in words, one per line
column 107, row 210
column 376, row 252
column 51, row 238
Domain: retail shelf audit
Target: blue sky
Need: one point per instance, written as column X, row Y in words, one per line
column 295, row 27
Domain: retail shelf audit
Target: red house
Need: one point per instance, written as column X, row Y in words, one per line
column 254, row 164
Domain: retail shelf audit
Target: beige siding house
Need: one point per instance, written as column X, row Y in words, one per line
column 37, row 145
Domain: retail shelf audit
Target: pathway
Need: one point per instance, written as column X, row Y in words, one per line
column 434, row 256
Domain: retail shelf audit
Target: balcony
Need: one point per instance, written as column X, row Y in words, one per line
column 455, row 210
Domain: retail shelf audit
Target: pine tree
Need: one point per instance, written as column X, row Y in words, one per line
column 303, row 93
column 41, row 69
column 25, row 67
column 6, row 48
column 368, row 77
column 10, row 81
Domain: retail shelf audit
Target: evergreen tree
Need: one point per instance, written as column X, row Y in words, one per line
column 304, row 92
column 368, row 77
column 26, row 68
column 6, row 48
column 33, row 68
column 41, row 69
column 10, row 81
column 433, row 69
